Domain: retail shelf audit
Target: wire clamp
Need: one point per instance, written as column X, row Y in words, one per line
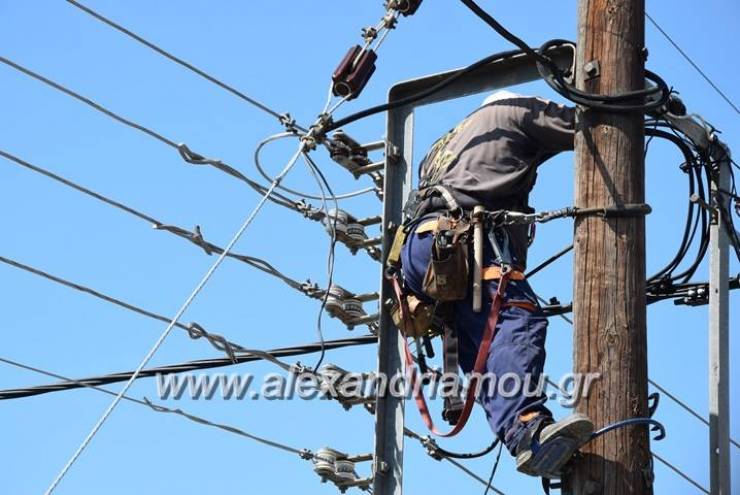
column 369, row 34
column 405, row 7
column 299, row 368
column 430, row 445
column 288, row 122
column 312, row 290
column 309, row 211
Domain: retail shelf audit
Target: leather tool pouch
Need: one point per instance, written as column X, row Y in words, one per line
column 420, row 317
column 446, row 278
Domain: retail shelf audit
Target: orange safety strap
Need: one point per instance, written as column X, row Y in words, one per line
column 480, row 361
column 493, row 272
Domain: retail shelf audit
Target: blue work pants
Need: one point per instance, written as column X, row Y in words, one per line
column 517, row 355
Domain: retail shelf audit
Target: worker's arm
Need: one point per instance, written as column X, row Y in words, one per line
column 550, row 125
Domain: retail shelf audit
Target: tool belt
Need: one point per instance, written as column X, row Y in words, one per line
column 446, row 278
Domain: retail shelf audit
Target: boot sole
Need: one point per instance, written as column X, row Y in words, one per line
column 557, row 446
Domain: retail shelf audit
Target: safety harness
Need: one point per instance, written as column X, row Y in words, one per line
column 418, row 320
column 458, row 420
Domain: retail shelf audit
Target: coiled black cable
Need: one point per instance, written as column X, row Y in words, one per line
column 554, row 76
column 652, row 98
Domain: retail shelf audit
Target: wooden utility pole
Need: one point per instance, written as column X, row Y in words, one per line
column 609, row 297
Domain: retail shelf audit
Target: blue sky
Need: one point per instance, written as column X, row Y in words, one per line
column 281, row 52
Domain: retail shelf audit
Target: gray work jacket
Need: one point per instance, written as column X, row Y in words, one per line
column 491, row 157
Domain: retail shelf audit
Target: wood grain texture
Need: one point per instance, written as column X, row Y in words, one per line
column 609, row 277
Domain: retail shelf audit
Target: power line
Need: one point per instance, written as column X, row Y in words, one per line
column 284, row 118
column 201, row 364
column 180, row 312
column 195, row 236
column 194, row 330
column 693, row 64
column 656, row 456
column 662, row 389
column 185, row 152
column 687, row 408
column 680, row 473
column 412, row 434
column 160, row 408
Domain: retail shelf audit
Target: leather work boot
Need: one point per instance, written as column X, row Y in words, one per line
column 546, row 447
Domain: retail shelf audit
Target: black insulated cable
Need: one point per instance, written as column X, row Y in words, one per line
column 202, row 364
column 552, row 74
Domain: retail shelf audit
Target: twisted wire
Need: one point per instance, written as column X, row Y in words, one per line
column 159, row 408
column 195, row 236
column 194, row 330
column 185, row 152
column 180, row 312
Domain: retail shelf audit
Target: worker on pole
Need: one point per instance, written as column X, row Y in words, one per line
column 486, row 164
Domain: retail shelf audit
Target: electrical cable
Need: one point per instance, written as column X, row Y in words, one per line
column 332, row 224
column 186, row 304
column 194, row 237
column 693, row 64
column 554, row 78
column 282, row 118
column 193, row 329
column 159, row 408
column 183, row 150
column 552, row 74
column 384, row 107
column 412, row 434
column 679, row 472
column 548, row 261
column 263, row 172
column 697, row 220
column 493, row 471
column 467, row 455
column 201, row 364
